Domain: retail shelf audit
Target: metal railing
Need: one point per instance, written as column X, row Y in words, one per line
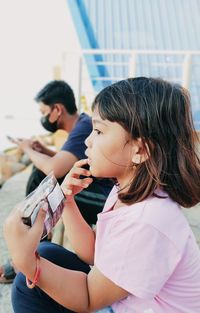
column 98, row 68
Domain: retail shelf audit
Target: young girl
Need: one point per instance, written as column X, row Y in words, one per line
column 144, row 255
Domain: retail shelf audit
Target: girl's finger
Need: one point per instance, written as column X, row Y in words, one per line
column 77, row 183
column 85, row 182
column 81, row 163
column 77, row 171
column 81, row 183
column 38, row 225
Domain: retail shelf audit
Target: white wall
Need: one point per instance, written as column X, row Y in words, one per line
column 33, row 33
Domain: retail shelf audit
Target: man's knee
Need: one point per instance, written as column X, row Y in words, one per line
column 62, row 257
column 45, row 250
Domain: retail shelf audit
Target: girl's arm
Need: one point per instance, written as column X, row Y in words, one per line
column 76, row 290
column 79, row 233
column 72, row 289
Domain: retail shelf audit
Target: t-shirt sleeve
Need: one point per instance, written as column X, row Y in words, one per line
column 138, row 258
column 76, row 139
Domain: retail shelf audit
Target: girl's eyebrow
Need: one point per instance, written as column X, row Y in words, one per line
column 96, row 121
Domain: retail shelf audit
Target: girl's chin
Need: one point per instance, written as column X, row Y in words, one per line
column 94, row 172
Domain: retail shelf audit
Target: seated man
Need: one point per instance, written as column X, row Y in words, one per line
column 58, row 107
column 59, row 111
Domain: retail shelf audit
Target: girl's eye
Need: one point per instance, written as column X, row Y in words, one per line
column 97, row 131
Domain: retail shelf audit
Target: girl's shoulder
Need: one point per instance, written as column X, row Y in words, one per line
column 158, row 212
column 166, row 217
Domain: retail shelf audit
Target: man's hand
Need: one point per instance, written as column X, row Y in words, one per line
column 39, row 147
column 23, row 144
column 36, row 145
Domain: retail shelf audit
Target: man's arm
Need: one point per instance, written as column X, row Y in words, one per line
column 39, row 147
column 60, row 163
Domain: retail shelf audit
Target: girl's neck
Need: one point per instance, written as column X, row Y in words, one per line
column 118, row 204
column 125, row 179
column 123, row 184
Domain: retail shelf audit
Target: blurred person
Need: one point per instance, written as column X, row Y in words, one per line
column 59, row 111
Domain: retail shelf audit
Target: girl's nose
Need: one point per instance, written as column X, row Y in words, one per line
column 88, row 141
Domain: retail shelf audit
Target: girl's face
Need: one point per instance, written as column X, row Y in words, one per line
column 109, row 150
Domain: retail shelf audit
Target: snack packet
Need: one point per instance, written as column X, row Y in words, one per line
column 47, row 195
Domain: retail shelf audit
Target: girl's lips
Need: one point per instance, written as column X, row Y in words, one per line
column 87, row 155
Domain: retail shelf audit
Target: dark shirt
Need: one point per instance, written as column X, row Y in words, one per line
column 76, row 140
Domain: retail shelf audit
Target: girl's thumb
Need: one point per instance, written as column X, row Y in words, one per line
column 38, row 225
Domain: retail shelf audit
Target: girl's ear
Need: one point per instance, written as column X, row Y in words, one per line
column 140, row 152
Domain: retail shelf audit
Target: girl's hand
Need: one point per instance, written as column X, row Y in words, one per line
column 23, row 240
column 72, row 183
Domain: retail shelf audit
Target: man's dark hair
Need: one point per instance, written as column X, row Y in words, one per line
column 58, row 91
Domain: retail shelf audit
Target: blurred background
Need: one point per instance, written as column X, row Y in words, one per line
column 90, row 44
column 33, row 36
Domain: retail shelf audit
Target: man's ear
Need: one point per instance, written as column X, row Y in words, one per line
column 59, row 108
column 140, row 152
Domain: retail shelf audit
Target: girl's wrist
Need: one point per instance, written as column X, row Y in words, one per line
column 31, row 282
column 69, row 200
column 27, row 265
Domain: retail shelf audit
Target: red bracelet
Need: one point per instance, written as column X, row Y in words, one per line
column 31, row 284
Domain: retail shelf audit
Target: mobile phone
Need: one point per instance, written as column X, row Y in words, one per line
column 10, row 138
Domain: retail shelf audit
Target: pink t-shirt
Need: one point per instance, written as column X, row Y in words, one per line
column 149, row 250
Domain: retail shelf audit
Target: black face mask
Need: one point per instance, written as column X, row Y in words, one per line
column 51, row 127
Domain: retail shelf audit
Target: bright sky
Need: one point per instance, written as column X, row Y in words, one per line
column 33, row 33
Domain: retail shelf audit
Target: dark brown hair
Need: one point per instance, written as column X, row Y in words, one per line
column 58, row 91
column 159, row 113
